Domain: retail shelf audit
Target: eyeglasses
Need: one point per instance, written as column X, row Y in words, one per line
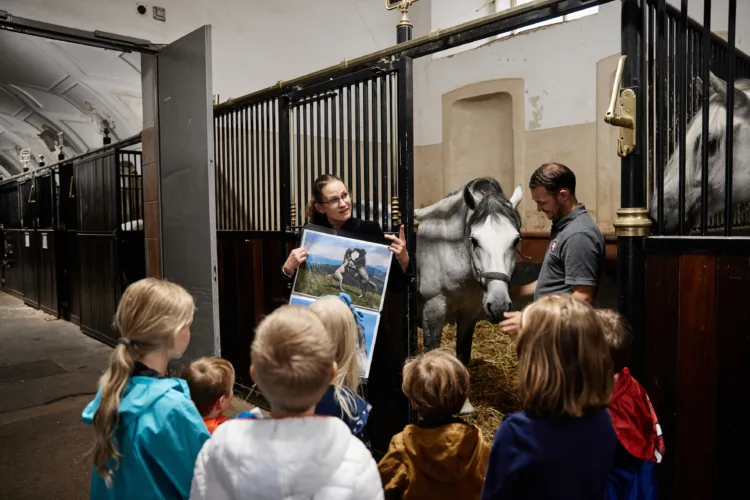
column 335, row 201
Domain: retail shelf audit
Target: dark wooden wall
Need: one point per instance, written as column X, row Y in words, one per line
column 10, row 217
column 697, row 351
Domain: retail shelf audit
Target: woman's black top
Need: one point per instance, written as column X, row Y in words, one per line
column 397, row 280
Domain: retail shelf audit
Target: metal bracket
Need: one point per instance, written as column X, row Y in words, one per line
column 624, row 116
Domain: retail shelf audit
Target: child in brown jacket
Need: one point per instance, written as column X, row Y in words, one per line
column 441, row 456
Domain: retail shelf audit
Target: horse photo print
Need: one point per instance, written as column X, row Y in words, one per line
column 366, row 343
column 338, row 264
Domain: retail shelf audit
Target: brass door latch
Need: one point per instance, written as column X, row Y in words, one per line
column 621, row 113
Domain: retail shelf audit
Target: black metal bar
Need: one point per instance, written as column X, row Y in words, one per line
column 285, row 164
column 264, row 169
column 99, row 39
column 671, row 74
column 326, row 113
column 660, row 103
column 682, row 112
column 235, row 161
column 276, row 130
column 375, row 176
column 631, row 259
column 245, row 170
column 729, row 161
column 297, row 151
column 340, row 172
column 350, row 141
column 384, row 153
column 366, row 140
column 224, row 171
column 256, row 168
column 406, row 192
column 650, row 90
column 334, row 163
column 704, row 136
column 302, row 201
column 393, row 104
column 358, row 147
column 319, row 132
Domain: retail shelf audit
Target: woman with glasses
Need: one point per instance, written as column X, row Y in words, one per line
column 331, row 206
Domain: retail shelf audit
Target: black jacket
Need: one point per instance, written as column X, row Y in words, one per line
column 398, row 281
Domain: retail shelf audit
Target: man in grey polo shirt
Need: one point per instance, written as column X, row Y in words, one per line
column 574, row 258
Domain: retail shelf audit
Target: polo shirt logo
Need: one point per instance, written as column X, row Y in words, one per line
column 552, row 246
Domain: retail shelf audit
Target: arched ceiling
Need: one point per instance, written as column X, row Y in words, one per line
column 48, row 86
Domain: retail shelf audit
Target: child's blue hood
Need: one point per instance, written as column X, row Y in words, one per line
column 139, row 396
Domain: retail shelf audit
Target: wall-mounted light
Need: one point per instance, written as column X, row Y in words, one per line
column 141, row 9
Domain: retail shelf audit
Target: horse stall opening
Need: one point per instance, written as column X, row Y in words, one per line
column 270, row 148
column 694, row 106
column 110, row 246
column 10, row 221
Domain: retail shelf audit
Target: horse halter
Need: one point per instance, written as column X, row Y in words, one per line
column 493, row 275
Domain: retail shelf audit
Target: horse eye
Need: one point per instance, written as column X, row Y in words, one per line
column 474, row 242
column 516, row 241
column 713, row 145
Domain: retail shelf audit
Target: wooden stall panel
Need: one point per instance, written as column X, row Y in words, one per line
column 14, row 272
column 30, row 257
column 733, row 297
column 660, row 364
column 97, row 261
column 73, row 275
column 96, row 192
column 696, row 392
column 47, row 272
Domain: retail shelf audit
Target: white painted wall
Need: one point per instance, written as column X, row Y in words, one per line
column 557, row 63
column 256, row 43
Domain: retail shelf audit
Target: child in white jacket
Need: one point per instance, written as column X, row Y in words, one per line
column 295, row 454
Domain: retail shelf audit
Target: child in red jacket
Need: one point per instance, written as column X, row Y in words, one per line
column 640, row 442
column 211, row 382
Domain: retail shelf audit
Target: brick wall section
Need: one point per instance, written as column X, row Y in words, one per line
column 151, row 201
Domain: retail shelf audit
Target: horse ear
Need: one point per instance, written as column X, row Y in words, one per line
column 517, row 196
column 716, row 84
column 699, row 87
column 469, row 198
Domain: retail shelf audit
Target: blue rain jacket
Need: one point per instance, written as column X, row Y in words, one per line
column 159, row 435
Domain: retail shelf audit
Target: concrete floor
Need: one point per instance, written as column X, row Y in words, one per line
column 48, row 373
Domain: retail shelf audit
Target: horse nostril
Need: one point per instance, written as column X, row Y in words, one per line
column 509, row 306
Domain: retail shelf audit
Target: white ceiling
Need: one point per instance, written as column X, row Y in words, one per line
column 48, row 86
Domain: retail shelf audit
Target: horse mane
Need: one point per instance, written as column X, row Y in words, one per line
column 493, row 204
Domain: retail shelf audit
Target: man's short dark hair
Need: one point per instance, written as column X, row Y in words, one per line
column 553, row 177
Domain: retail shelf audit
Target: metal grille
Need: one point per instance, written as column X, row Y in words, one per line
column 677, row 48
column 247, row 168
column 131, row 190
column 349, row 131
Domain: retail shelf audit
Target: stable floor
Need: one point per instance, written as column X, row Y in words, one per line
column 48, row 373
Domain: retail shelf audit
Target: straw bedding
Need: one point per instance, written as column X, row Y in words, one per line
column 493, row 371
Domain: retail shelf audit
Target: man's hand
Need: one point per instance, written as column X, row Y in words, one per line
column 512, row 324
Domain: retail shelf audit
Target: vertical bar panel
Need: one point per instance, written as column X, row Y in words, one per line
column 276, row 130
column 384, row 153
column 319, row 130
column 302, row 205
column 350, row 130
column 265, row 170
column 682, row 112
column 729, row 160
column 334, row 165
column 358, row 130
column 285, row 166
column 704, row 136
column 393, row 103
column 366, row 139
column 298, row 178
column 341, row 132
column 660, row 103
column 375, row 195
column 327, row 138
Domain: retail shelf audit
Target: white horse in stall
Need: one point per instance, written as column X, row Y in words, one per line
column 717, row 133
column 466, row 254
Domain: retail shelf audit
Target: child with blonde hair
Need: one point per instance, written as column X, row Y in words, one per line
column 640, row 444
column 441, row 457
column 562, row 444
column 343, row 324
column 295, row 453
column 211, row 383
column 148, row 431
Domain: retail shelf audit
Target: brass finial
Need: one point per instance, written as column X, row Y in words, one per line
column 395, row 213
column 403, row 6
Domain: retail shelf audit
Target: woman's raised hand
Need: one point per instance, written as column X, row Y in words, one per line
column 398, row 247
column 295, row 259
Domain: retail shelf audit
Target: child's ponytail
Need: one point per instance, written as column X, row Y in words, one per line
column 106, row 417
column 149, row 316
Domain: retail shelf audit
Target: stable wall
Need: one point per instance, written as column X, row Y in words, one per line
column 506, row 106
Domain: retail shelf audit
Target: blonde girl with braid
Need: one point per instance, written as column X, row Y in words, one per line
column 148, row 431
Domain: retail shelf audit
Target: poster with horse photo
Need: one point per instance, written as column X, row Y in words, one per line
column 367, row 335
column 339, row 264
